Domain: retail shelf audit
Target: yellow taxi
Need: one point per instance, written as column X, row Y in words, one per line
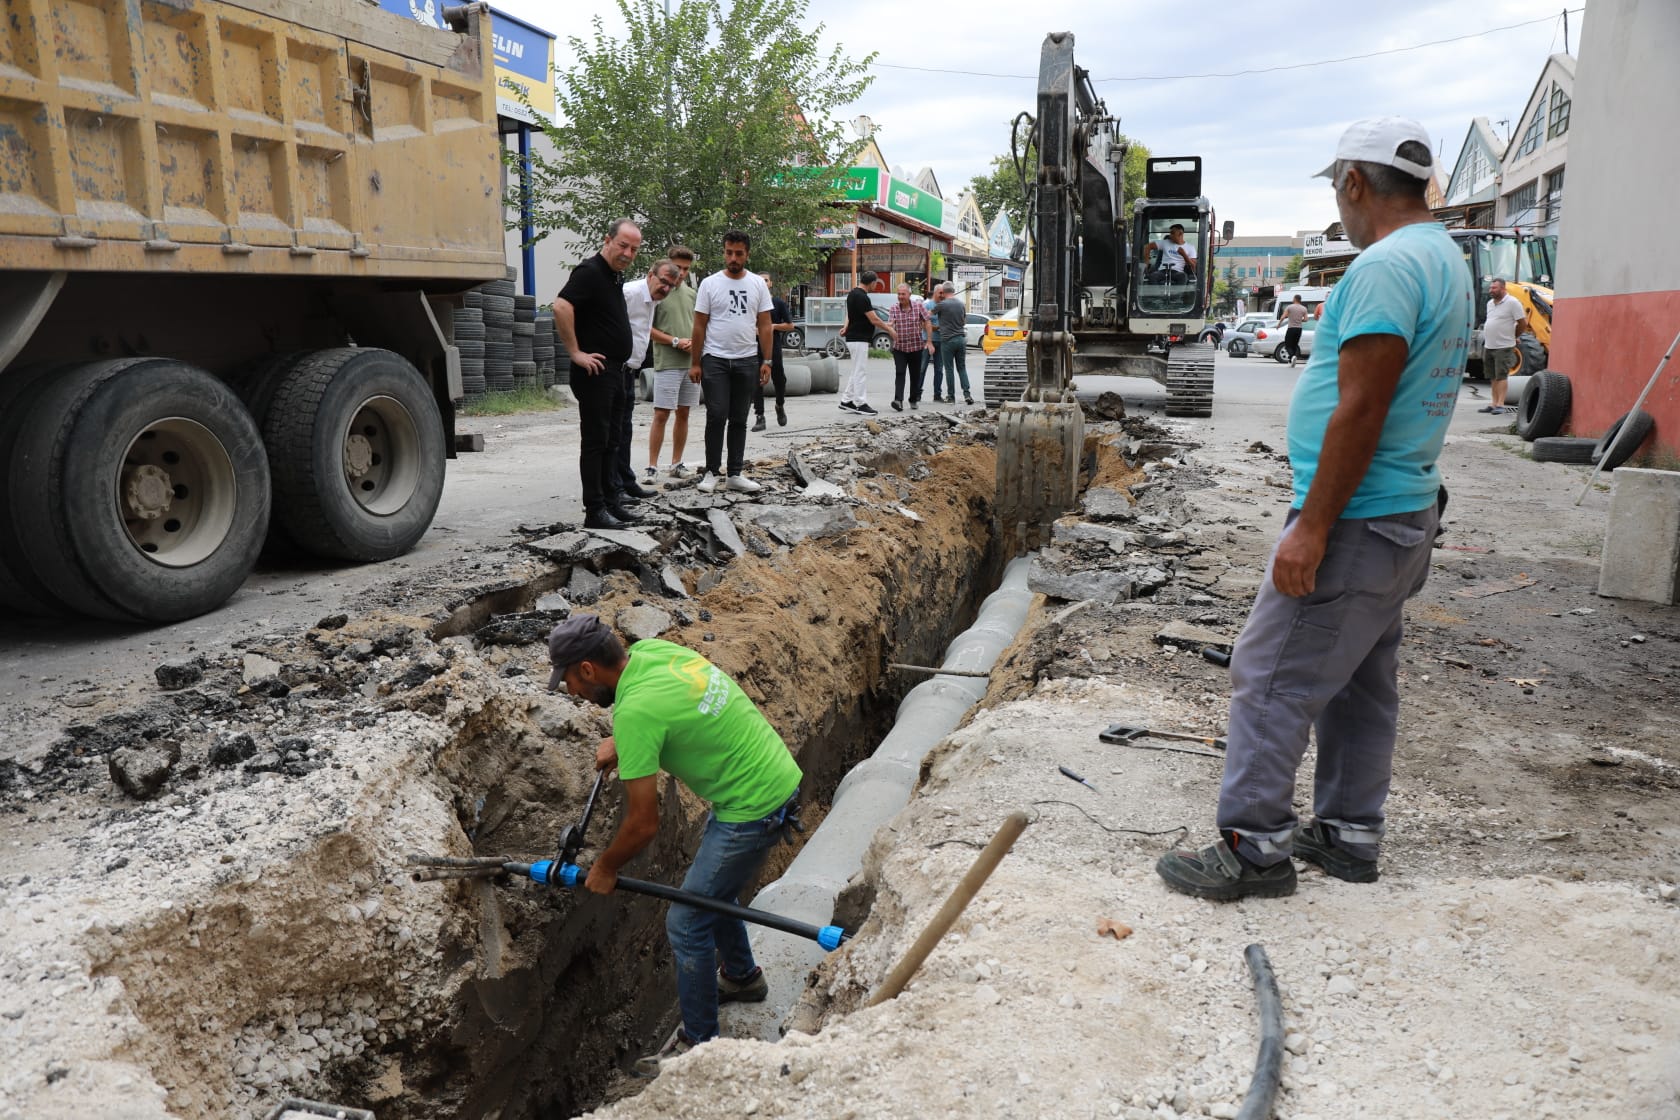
column 1000, row 331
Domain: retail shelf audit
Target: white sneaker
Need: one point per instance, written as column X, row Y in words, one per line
column 679, row 470
column 648, row 474
column 741, row 484
column 709, row 483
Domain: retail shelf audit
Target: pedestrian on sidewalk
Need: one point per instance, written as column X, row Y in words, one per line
column 912, row 332
column 673, row 393
column 1294, row 314
column 730, row 355
column 952, row 340
column 862, row 321
column 1320, row 649
column 934, row 357
column 676, row 712
column 781, row 322
column 590, row 318
column 1506, row 319
column 641, row 299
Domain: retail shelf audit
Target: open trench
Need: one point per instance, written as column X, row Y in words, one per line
column 272, row 943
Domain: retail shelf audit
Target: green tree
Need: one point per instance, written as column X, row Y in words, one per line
column 693, row 125
column 1292, row 273
column 1001, row 189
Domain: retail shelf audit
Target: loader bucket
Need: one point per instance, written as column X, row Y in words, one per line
column 1039, row 449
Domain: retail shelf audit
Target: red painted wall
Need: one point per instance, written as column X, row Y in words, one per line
column 1609, row 345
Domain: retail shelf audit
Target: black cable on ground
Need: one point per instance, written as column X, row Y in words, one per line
column 1268, row 1068
column 1108, row 828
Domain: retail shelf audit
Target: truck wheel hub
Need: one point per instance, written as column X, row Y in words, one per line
column 149, row 491
column 358, row 455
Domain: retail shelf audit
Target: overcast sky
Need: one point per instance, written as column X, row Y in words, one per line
column 1260, row 135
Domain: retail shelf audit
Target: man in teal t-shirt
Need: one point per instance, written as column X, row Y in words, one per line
column 675, row 711
column 1320, row 650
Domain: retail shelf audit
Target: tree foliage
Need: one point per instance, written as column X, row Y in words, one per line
column 1000, row 188
column 690, row 124
column 1292, row 272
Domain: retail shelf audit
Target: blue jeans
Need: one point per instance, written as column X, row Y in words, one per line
column 730, row 854
column 953, row 352
column 937, row 360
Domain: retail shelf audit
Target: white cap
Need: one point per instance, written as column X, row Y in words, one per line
column 1376, row 141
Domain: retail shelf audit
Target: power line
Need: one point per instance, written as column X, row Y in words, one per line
column 1239, row 73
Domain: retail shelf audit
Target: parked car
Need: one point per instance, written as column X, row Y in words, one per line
column 1240, row 340
column 1007, row 328
column 974, row 329
column 1268, row 341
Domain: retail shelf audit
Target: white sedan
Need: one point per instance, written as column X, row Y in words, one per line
column 1268, row 341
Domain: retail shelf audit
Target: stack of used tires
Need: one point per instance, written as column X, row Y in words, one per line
column 1541, row 414
column 524, row 341
column 496, row 297
column 542, row 346
column 468, row 333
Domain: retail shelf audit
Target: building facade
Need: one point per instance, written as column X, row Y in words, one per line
column 1472, row 192
column 1618, row 306
column 1532, row 172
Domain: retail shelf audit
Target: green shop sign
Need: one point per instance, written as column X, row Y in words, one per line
column 855, row 184
column 912, row 202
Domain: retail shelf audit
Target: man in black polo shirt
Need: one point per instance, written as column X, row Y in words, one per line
column 590, row 317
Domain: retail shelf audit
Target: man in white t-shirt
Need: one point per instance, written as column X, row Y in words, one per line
column 1506, row 319
column 1176, row 257
column 731, row 341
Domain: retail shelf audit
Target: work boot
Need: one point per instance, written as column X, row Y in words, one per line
column 1219, row 873
column 781, row 416
column 634, row 491
column 753, row 989
column 601, row 519
column 624, row 516
column 676, row 1046
column 760, row 425
column 1316, row 843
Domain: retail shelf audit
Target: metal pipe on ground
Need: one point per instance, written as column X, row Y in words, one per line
column 870, row 796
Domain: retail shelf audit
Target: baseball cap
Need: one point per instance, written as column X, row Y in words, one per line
column 1376, row 140
column 572, row 640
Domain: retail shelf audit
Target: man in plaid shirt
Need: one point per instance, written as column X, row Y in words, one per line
column 913, row 338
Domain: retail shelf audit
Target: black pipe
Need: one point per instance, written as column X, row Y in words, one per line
column 1268, row 1068
column 571, row 875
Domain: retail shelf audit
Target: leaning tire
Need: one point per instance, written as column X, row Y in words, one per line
column 1544, row 405
column 1563, row 449
column 144, row 487
column 355, row 446
column 1238, row 348
column 1639, row 426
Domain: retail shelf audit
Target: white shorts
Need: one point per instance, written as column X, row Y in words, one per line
column 672, row 389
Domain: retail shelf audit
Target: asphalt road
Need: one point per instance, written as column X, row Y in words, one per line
column 525, row 476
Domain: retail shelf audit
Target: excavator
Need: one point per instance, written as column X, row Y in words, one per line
column 1116, row 286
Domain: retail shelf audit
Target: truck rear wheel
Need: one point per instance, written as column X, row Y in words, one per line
column 139, row 490
column 355, row 447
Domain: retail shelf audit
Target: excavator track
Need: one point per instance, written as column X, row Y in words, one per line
column 1005, row 374
column 1190, row 379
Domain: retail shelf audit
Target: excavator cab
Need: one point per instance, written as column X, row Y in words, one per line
column 1171, row 241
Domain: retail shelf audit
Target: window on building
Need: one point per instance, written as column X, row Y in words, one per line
column 1559, row 123
column 1531, row 138
column 1519, row 204
column 1554, row 195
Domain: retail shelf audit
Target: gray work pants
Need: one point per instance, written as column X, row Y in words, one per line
column 1325, row 662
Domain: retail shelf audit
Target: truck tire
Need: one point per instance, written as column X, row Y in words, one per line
column 1531, row 356
column 1563, row 449
column 1638, row 424
column 144, row 489
column 1544, row 405
column 355, row 448
column 20, row 591
column 1237, row 348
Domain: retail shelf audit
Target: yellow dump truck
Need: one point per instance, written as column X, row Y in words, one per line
column 231, row 232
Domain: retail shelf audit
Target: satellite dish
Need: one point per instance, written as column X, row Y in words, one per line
column 863, row 126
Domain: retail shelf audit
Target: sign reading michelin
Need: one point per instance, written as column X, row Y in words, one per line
column 523, row 54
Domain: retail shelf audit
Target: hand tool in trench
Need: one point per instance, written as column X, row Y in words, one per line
column 1127, row 735
column 571, row 837
column 551, row 872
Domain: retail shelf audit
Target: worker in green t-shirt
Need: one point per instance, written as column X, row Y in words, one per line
column 673, row 710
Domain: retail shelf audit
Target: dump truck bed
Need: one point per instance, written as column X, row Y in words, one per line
column 247, row 137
